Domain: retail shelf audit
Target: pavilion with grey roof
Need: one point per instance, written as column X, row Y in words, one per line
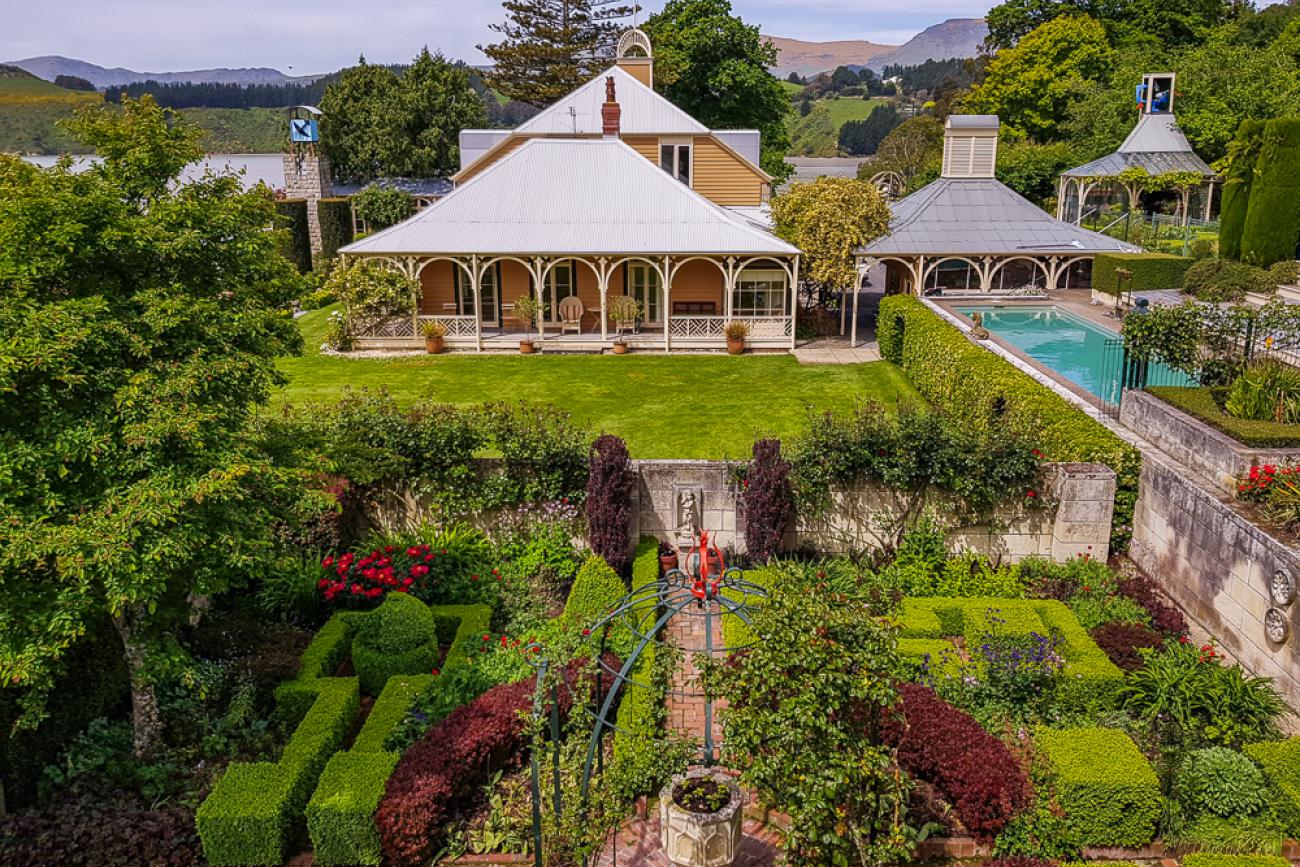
column 1156, row 145
column 968, row 234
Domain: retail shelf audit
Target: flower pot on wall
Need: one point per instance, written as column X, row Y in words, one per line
column 735, row 347
column 696, row 833
column 668, row 562
column 433, row 345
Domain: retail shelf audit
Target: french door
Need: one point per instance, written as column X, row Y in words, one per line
column 644, row 284
column 489, row 295
column 561, row 283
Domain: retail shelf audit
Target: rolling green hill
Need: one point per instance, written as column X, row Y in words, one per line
column 817, row 134
column 31, row 108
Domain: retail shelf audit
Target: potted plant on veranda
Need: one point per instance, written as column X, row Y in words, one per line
column 623, row 311
column 526, row 309
column 700, row 818
column 737, row 330
column 619, row 346
column 434, row 332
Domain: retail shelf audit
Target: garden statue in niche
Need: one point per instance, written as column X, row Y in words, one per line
column 688, row 516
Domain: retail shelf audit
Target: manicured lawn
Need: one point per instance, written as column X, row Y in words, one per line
column 848, row 108
column 680, row 406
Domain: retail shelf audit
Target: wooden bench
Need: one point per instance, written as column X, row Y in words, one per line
column 695, row 308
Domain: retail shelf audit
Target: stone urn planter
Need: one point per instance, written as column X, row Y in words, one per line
column 700, row 816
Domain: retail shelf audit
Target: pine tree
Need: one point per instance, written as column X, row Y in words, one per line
column 550, row 47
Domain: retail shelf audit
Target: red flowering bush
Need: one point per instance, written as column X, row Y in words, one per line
column 971, row 769
column 451, row 569
column 1274, row 489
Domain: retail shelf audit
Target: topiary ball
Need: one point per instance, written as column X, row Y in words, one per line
column 1221, row 782
column 401, row 623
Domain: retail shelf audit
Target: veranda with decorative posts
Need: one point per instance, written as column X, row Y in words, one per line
column 683, row 304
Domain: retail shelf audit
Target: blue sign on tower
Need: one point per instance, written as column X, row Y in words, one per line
column 303, row 129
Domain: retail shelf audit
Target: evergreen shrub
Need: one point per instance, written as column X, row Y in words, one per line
column 291, row 218
column 1272, row 226
column 1150, row 271
column 1109, row 792
column 1237, row 183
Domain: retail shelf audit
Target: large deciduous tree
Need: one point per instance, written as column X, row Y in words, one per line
column 140, row 320
column 380, row 124
column 1032, row 86
column 714, row 66
column 549, row 47
column 828, row 219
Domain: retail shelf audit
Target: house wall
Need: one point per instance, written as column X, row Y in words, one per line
column 699, row 281
column 437, row 288
column 646, row 145
column 725, row 178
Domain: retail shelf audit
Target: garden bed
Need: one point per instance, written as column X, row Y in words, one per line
column 1201, row 403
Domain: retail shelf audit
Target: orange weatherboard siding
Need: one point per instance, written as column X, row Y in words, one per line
column 646, row 145
column 490, row 157
column 724, row 177
column 699, row 281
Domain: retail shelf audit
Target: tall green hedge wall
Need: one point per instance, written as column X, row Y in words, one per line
column 1273, row 217
column 335, row 226
column 1150, row 271
column 975, row 385
column 1237, row 184
column 296, row 244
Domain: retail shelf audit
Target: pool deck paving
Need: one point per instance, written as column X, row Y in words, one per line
column 836, row 350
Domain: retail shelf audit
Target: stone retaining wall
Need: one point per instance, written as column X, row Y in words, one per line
column 1075, row 516
column 1200, row 448
column 1219, row 568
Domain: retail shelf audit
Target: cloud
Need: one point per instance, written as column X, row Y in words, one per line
column 306, row 36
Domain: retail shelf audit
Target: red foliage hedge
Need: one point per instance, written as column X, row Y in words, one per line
column 974, row 771
column 1121, row 641
column 610, row 482
column 1019, row 861
column 1164, row 617
column 452, row 761
column 82, row 834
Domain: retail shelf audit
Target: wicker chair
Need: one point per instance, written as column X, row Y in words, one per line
column 571, row 311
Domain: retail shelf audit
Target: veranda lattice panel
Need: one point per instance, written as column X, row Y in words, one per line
column 457, row 326
column 388, row 326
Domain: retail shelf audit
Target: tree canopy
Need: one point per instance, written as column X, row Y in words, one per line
column 1167, row 22
column 828, row 219
column 863, row 137
column 140, row 320
column 550, row 47
column 379, row 124
column 714, row 66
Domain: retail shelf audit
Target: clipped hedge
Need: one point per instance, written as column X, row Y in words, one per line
column 1280, row 762
column 1200, row 403
column 250, row 816
column 1207, row 859
column 1088, row 680
column 295, row 245
column 1109, row 792
column 341, row 813
column 1150, row 271
column 1273, row 218
column 336, row 228
column 595, row 591
column 1237, row 184
column 981, row 389
column 398, row 637
column 340, row 816
column 736, row 632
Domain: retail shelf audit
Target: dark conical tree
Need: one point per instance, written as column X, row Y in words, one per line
column 550, row 47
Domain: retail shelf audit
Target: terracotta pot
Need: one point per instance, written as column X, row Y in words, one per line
column 526, row 347
column 619, row 348
column 735, row 347
column 668, row 562
column 433, row 345
column 701, row 839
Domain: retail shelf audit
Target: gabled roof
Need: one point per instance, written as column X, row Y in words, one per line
column 574, row 197
column 644, row 111
column 981, row 216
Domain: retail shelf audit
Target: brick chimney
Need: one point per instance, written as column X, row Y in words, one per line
column 611, row 114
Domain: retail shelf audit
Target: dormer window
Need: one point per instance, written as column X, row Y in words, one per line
column 675, row 159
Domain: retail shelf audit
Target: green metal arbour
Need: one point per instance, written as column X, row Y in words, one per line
column 643, row 613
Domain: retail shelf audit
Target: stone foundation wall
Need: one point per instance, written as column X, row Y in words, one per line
column 1219, row 568
column 1200, row 448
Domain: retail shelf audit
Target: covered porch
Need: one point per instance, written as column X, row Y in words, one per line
column 684, row 301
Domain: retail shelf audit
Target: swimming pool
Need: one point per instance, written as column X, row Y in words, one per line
column 1070, row 345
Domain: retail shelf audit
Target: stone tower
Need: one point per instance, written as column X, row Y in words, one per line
column 306, row 168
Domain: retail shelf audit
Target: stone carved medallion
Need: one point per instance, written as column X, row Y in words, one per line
column 1276, row 626
column 1282, row 587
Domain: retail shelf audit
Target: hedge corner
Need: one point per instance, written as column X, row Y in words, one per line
column 1107, row 787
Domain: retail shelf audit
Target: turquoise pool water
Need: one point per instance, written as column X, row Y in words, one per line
column 1070, row 345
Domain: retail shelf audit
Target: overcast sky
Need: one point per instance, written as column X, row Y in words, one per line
column 309, row 36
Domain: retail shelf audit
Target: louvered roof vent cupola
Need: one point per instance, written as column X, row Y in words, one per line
column 970, row 146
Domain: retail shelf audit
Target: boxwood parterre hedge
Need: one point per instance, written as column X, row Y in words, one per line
column 976, row 386
column 1107, row 787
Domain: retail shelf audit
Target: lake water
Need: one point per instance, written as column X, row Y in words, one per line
column 264, row 168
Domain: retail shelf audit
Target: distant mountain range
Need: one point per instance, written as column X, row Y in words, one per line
column 51, row 66
column 956, row 37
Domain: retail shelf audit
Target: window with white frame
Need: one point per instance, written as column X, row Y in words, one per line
column 760, row 291
column 675, row 159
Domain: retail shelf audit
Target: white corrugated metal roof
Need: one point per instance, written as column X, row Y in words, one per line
column 1155, row 133
column 643, row 111
column 476, row 142
column 574, row 197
